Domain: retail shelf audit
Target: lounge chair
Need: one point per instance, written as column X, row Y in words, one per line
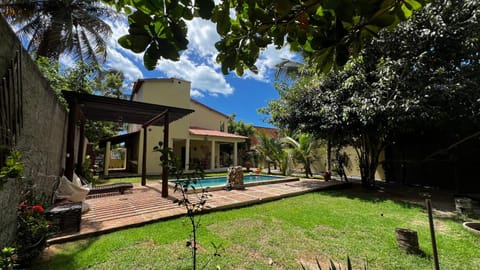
column 105, row 189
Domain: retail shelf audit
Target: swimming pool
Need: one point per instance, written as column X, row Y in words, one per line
column 249, row 180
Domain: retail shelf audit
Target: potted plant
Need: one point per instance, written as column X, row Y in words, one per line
column 32, row 229
column 326, row 176
column 247, row 165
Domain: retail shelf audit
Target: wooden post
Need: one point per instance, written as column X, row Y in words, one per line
column 432, row 233
column 165, row 165
column 72, row 119
column 81, row 144
column 144, row 156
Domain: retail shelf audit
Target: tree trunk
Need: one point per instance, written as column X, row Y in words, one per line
column 368, row 153
column 329, row 156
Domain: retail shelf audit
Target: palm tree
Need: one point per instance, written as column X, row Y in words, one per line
column 273, row 149
column 304, row 150
column 51, row 28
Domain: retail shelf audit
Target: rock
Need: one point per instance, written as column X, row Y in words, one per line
column 235, row 177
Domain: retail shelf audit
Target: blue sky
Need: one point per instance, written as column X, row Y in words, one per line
column 228, row 94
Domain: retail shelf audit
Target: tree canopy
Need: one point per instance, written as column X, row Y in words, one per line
column 422, row 75
column 330, row 30
column 85, row 78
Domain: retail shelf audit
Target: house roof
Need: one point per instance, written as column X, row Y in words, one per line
column 100, row 108
column 215, row 133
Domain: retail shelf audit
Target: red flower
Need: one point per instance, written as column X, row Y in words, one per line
column 38, row 208
column 23, row 205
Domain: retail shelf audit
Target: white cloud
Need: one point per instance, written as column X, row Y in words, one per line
column 120, row 58
column 118, row 61
column 202, row 36
column 196, row 94
column 267, row 61
column 204, row 78
column 67, row 60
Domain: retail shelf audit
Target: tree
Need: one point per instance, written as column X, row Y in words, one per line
column 51, row 28
column 273, row 149
column 329, row 30
column 83, row 78
column 421, row 75
column 304, row 150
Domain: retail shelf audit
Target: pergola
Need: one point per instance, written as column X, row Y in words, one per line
column 99, row 108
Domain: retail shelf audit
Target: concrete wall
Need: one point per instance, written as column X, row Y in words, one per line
column 207, row 118
column 43, row 137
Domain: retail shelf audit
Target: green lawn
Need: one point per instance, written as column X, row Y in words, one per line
column 286, row 232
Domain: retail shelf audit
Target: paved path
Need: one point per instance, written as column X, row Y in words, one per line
column 144, row 204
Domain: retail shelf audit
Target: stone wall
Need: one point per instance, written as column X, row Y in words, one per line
column 43, row 136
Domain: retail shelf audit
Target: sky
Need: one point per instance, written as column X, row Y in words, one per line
column 228, row 94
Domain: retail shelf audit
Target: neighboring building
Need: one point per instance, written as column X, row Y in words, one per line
column 198, row 139
column 270, row 132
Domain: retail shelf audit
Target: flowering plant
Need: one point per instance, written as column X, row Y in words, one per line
column 32, row 230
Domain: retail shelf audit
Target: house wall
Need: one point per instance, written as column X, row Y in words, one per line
column 207, row 118
column 43, row 136
column 167, row 92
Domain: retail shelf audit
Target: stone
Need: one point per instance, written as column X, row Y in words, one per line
column 235, row 177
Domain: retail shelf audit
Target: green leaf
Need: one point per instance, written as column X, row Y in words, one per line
column 239, row 69
column 222, row 18
column 383, row 20
column 167, row 49
column 319, row 11
column 136, row 43
column 205, row 8
column 415, row 5
column 151, row 56
column 149, row 6
column 139, row 18
column 331, row 4
column 283, row 7
column 179, row 31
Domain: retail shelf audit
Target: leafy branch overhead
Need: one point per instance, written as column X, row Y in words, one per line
column 328, row 30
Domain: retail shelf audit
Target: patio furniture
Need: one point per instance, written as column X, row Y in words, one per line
column 106, row 189
column 113, row 188
column 67, row 216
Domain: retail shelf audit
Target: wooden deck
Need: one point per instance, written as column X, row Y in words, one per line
column 144, row 204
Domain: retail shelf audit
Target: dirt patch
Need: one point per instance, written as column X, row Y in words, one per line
column 48, row 253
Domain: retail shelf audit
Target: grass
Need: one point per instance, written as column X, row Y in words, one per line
column 281, row 235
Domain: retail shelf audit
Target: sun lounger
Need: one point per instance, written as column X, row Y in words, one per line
column 110, row 189
column 119, row 187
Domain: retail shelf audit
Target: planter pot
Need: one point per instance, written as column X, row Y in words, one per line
column 31, row 253
column 473, row 227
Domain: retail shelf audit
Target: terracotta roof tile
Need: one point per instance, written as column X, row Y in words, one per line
column 216, row 133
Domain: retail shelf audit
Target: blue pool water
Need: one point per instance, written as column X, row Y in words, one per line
column 221, row 181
